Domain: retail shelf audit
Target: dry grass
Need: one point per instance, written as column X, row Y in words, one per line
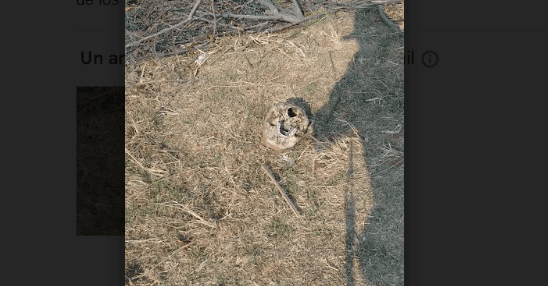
column 395, row 12
column 200, row 210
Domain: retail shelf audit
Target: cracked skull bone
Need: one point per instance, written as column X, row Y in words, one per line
column 285, row 124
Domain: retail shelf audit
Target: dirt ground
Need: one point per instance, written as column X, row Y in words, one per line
column 200, row 210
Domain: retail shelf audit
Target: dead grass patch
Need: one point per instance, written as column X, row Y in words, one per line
column 199, row 207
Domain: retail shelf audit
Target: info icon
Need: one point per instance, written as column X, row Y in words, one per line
column 430, row 59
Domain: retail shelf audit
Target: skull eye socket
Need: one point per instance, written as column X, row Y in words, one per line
column 291, row 113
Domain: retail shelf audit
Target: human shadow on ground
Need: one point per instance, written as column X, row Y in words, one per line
column 370, row 98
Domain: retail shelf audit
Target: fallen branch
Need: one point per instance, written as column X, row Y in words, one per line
column 277, row 16
column 295, row 14
column 387, row 21
column 270, row 6
column 275, row 13
column 280, row 189
column 170, row 28
column 292, row 16
column 292, row 24
column 297, row 9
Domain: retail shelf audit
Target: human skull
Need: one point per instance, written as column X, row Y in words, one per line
column 284, row 125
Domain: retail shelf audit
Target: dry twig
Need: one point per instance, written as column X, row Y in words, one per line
column 281, row 190
column 283, row 17
column 387, row 21
column 135, row 160
column 214, row 18
column 274, row 14
column 170, row 28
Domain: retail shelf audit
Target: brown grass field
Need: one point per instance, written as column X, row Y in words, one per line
column 200, row 210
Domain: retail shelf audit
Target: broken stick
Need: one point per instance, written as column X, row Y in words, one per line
column 284, row 195
column 170, row 28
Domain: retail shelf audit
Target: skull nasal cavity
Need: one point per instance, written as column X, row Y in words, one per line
column 291, row 113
